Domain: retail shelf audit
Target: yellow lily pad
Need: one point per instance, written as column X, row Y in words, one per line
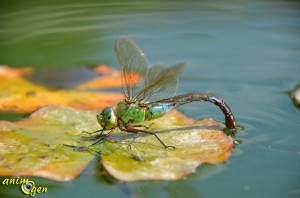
column 34, row 146
column 195, row 141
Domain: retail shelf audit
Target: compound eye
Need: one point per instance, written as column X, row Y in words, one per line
column 100, row 118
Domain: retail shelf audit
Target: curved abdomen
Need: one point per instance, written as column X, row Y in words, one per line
column 204, row 97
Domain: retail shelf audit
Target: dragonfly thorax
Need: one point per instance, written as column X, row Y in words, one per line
column 107, row 118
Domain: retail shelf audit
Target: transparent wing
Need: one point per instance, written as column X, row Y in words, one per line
column 160, row 82
column 133, row 66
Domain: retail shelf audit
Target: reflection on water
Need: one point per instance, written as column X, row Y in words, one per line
column 245, row 51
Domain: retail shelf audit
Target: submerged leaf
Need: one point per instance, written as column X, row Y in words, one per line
column 109, row 78
column 34, row 146
column 22, row 96
column 10, row 72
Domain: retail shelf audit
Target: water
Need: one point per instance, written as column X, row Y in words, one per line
column 246, row 51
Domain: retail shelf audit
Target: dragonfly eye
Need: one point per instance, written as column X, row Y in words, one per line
column 100, row 118
column 107, row 118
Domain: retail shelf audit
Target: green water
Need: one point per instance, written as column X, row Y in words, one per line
column 246, row 51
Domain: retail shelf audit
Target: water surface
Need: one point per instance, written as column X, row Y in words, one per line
column 245, row 51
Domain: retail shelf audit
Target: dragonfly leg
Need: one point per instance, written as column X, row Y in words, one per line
column 134, row 130
column 90, row 133
column 96, row 136
column 103, row 138
column 84, row 148
column 140, row 125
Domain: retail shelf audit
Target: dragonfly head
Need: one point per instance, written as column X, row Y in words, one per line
column 107, row 118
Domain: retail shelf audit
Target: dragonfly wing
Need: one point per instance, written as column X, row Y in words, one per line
column 133, row 66
column 160, row 82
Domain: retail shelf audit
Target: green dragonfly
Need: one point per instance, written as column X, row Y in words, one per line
column 149, row 94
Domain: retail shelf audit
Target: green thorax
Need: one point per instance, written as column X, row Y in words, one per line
column 129, row 113
column 138, row 112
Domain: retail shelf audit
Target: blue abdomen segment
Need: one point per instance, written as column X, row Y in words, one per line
column 158, row 110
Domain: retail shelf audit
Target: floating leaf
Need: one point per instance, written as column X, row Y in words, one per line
column 34, row 146
column 296, row 96
column 196, row 142
column 22, row 96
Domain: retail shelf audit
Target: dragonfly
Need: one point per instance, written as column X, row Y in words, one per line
column 149, row 94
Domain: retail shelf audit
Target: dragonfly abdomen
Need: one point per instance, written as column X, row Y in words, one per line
column 204, row 97
column 158, row 110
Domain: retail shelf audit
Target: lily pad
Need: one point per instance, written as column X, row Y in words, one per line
column 19, row 95
column 34, row 146
column 196, row 142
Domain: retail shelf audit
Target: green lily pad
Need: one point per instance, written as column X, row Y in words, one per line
column 34, row 146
